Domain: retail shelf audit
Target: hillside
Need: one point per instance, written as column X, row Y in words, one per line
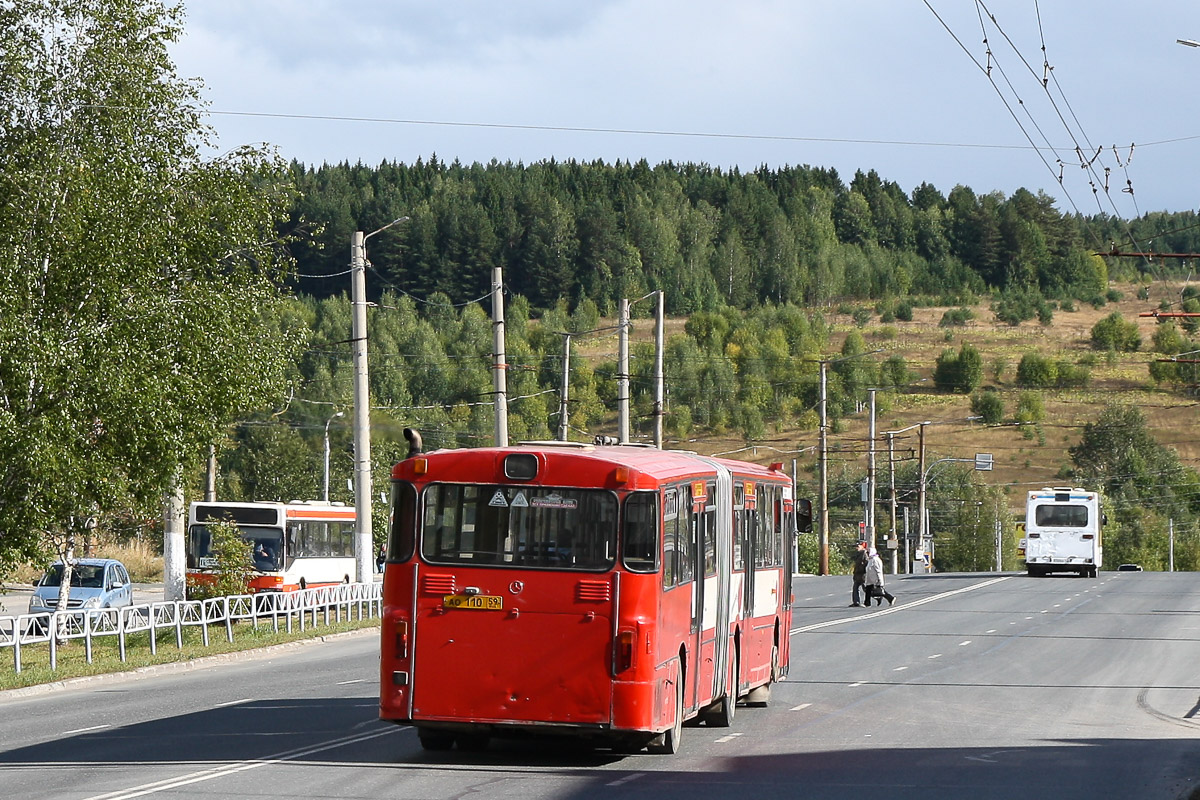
column 1020, row 463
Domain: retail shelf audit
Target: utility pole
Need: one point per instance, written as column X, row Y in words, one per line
column 871, row 535
column 499, row 367
column 659, row 338
column 922, row 519
column 174, row 554
column 363, row 539
column 823, row 498
column 564, row 393
column 363, row 536
column 623, row 373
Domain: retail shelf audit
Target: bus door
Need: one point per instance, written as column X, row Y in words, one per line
column 784, row 511
column 700, row 636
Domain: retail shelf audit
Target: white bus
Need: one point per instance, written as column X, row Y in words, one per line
column 295, row 545
column 1063, row 532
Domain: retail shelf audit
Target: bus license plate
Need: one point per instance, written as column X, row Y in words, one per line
column 479, row 602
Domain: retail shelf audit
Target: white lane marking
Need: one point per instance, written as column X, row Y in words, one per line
column 234, row 702
column 627, row 779
column 728, row 738
column 899, row 669
column 993, row 630
column 964, row 644
column 236, row 766
column 800, row 707
column 347, row 683
column 902, row 607
column 85, row 730
column 854, row 685
column 936, row 655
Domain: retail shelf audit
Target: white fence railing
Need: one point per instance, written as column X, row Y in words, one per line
column 306, row 608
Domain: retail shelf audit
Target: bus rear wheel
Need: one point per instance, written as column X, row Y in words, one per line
column 435, row 740
column 721, row 713
column 667, row 743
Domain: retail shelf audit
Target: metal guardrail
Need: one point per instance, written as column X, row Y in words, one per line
column 303, row 608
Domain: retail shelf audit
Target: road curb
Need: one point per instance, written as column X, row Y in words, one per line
column 202, row 662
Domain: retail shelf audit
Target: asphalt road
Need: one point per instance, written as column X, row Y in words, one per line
column 970, row 687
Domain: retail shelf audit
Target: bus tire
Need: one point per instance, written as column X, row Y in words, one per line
column 435, row 740
column 473, row 742
column 760, row 696
column 667, row 742
column 721, row 713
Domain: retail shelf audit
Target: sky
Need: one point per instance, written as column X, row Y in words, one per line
column 904, row 87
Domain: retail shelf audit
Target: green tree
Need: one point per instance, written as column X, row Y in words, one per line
column 235, row 564
column 1036, row 371
column 139, row 314
column 959, row 372
column 1114, row 332
column 989, row 405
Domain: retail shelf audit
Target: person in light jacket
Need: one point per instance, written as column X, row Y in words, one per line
column 875, row 587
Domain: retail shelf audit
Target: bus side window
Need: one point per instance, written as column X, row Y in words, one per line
column 402, row 538
column 670, row 538
column 641, row 532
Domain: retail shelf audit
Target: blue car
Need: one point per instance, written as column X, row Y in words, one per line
column 95, row 583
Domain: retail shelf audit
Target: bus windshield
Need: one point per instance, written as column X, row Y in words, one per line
column 525, row 526
column 266, row 545
column 1061, row 516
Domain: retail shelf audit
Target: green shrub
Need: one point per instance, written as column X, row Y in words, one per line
column 1115, row 333
column 989, row 405
column 235, row 564
column 1036, row 371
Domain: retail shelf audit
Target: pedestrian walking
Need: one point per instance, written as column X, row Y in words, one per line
column 874, row 581
column 859, row 560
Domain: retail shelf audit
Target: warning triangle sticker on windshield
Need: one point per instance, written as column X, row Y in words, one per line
column 498, row 499
column 519, row 501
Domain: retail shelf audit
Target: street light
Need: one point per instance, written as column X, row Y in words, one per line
column 1188, row 42
column 325, row 494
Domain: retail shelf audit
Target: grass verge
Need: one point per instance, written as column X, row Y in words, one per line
column 72, row 657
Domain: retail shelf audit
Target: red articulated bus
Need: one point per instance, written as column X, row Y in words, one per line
column 609, row 592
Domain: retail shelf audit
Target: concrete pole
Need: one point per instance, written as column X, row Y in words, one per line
column 659, row 348
column 922, row 518
column 623, row 373
column 174, row 543
column 210, row 478
column 823, row 534
column 871, row 534
column 499, row 367
column 564, row 393
column 363, row 546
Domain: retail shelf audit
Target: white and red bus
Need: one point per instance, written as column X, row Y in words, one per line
column 294, row 545
column 610, row 592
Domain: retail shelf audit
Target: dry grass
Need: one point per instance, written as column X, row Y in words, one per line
column 143, row 560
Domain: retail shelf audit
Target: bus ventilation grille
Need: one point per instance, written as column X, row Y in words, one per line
column 438, row 584
column 599, row 591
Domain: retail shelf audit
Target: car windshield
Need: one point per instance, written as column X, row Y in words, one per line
column 87, row 576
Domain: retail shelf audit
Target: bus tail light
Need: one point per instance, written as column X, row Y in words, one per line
column 625, row 639
column 401, row 639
